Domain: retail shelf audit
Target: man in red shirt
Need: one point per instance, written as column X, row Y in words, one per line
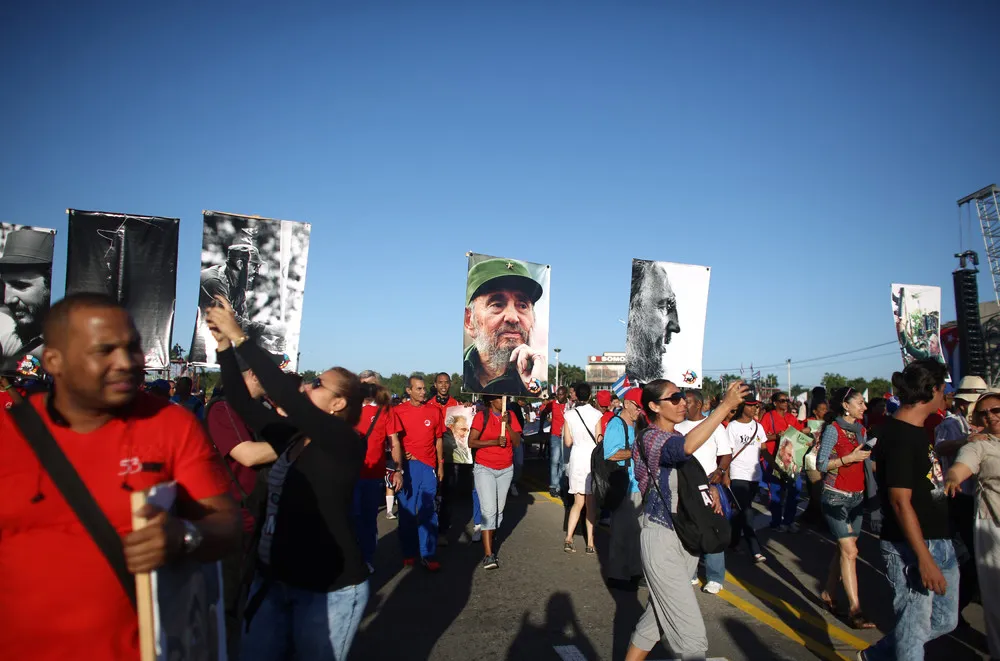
column 61, row 598
column 422, row 428
column 784, row 491
column 557, row 467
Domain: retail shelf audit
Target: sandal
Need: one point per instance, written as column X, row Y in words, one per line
column 859, row 621
column 829, row 602
column 568, row 547
column 589, row 550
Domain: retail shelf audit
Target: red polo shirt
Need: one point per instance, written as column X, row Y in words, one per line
column 775, row 423
column 60, row 598
column 374, row 466
column 558, row 415
column 421, row 426
column 495, row 457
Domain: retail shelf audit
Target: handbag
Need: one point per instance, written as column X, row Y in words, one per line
column 72, row 488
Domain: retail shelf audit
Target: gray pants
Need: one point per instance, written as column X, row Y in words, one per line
column 672, row 612
column 492, row 486
column 626, row 524
column 987, row 542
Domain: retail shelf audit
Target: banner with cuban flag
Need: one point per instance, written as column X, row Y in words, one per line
column 622, row 386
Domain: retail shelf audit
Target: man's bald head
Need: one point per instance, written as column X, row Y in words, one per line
column 56, row 329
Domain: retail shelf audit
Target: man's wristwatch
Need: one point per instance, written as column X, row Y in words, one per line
column 192, row 537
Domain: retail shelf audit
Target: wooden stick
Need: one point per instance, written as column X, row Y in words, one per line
column 143, row 591
column 503, row 416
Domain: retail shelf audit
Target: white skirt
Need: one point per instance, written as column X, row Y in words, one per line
column 578, row 470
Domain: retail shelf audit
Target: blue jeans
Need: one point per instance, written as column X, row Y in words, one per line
column 715, row 567
column 368, row 497
column 556, row 466
column 784, row 499
column 418, row 520
column 477, row 510
column 316, row 625
column 921, row 616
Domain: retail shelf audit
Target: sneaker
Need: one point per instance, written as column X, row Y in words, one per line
column 513, row 490
column 759, row 557
column 553, row 492
column 695, row 581
column 477, row 533
column 390, row 516
column 712, row 587
column 409, row 562
column 490, row 562
column 430, row 564
column 442, row 540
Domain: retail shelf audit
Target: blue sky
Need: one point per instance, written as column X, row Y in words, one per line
column 810, row 153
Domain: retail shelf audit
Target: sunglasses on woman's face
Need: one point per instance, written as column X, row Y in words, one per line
column 782, row 401
column 318, row 383
column 674, row 399
column 995, row 411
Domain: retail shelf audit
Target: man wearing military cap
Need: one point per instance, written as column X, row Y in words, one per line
column 499, row 317
column 26, row 274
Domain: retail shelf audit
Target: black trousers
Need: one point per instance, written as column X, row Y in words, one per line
column 744, row 492
column 962, row 512
column 457, row 482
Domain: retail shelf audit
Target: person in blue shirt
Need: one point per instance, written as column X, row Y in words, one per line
column 184, row 397
column 625, row 562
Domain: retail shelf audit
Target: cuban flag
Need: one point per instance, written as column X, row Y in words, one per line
column 622, row 386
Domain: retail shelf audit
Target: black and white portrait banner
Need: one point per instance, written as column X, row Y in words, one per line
column 259, row 266
column 26, row 282
column 666, row 322
column 133, row 259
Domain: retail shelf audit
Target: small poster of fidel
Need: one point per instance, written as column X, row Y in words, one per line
column 26, row 282
column 132, row 259
column 666, row 322
column 259, row 266
column 506, row 330
column 916, row 311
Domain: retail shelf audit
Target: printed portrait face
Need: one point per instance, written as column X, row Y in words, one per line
column 499, row 322
column 26, row 295
column 460, row 429
column 653, row 319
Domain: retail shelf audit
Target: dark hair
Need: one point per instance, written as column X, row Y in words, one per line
column 816, row 405
column 918, row 380
column 738, row 413
column 376, row 392
column 56, row 323
column 444, row 374
column 350, row 386
column 840, row 397
column 776, row 396
column 414, row 377
column 695, row 395
column 653, row 392
column 582, row 391
column 184, row 384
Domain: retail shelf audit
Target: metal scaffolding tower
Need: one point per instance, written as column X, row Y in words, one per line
column 988, row 209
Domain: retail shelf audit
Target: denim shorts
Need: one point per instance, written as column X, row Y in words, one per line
column 843, row 512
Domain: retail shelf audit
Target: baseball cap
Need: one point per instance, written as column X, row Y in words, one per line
column 603, row 397
column 634, row 395
column 495, row 273
column 26, row 247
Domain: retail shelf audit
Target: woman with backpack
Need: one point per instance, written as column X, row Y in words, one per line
column 841, row 456
column 672, row 612
column 492, row 439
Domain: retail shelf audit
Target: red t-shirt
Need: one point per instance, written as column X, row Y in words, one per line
column 605, row 419
column 421, row 427
column 495, row 457
column 558, row 416
column 774, row 423
column 374, row 467
column 227, row 430
column 60, row 597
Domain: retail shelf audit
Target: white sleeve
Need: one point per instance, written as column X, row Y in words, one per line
column 723, row 444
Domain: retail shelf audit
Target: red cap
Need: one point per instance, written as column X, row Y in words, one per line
column 634, row 395
column 604, row 398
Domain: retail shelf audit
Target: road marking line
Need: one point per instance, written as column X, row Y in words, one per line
column 538, row 488
column 813, row 645
column 818, row 622
column 573, row 653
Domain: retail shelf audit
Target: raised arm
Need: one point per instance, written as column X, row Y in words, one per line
column 250, row 410
column 697, row 436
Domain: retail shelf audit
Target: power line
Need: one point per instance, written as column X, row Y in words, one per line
column 808, row 360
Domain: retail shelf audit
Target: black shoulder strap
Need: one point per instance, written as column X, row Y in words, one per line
column 371, row 427
column 68, row 481
column 580, row 415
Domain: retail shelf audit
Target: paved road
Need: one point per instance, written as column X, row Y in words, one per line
column 545, row 604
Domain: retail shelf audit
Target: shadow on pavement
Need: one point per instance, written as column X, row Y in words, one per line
column 434, row 601
column 561, row 628
column 745, row 640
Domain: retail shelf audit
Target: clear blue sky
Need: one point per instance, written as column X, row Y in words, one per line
column 816, row 146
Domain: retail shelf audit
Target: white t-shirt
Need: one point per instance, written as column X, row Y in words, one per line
column 716, row 446
column 747, row 465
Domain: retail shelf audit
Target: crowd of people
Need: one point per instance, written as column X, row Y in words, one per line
column 309, row 466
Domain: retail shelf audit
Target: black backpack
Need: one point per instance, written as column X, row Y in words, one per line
column 697, row 525
column 609, row 480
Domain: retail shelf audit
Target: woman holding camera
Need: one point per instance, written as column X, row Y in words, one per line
column 842, row 453
column 672, row 612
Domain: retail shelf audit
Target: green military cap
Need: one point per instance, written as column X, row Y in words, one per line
column 495, row 273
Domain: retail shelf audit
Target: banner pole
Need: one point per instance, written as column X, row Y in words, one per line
column 503, row 416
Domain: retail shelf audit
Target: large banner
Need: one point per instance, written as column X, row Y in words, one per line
column 133, row 259
column 26, row 281
column 666, row 322
column 259, row 266
column 506, row 330
column 916, row 311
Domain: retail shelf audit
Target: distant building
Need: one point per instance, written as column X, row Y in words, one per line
column 604, row 370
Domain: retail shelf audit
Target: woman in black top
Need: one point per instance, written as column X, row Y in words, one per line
column 311, row 585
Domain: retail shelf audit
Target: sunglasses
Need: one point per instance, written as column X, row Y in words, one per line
column 782, row 401
column 318, row 383
column 674, row 399
column 995, row 411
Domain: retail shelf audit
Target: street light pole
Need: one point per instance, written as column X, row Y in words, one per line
column 557, row 367
column 788, row 363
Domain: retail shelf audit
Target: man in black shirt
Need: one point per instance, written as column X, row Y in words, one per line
column 916, row 541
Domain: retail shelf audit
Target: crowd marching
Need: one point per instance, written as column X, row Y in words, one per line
column 309, row 466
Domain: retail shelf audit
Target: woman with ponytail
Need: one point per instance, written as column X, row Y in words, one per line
column 841, row 456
